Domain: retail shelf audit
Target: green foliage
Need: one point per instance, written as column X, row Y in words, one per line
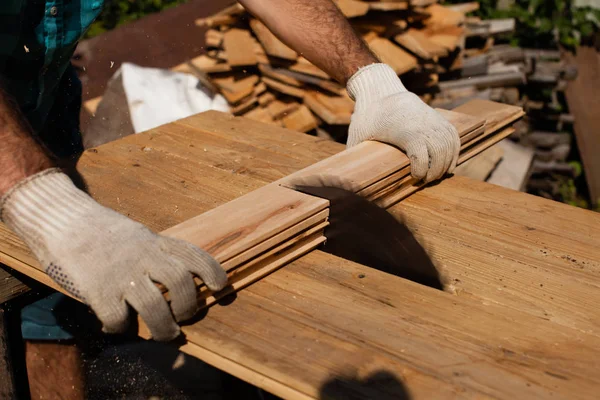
column 117, row 12
column 545, row 23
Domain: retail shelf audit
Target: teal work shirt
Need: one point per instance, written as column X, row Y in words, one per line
column 37, row 40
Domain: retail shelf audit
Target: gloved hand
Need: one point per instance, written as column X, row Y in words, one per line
column 105, row 259
column 385, row 111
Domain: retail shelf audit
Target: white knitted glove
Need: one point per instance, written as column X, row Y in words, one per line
column 106, row 259
column 385, row 111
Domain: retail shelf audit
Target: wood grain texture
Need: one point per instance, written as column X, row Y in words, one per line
column 241, row 224
column 323, row 327
column 584, row 103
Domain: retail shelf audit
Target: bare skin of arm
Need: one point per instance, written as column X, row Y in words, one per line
column 21, row 155
column 318, row 30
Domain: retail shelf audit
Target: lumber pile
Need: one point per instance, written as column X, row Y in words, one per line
column 265, row 80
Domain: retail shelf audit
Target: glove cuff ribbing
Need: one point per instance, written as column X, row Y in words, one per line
column 374, row 82
column 43, row 205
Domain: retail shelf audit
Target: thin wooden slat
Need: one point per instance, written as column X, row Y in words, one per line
column 583, row 99
column 408, row 185
column 246, row 221
column 265, row 264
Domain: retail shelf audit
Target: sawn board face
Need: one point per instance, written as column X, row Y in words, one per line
column 521, row 321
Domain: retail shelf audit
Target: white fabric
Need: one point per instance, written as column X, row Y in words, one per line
column 104, row 258
column 385, row 111
column 156, row 96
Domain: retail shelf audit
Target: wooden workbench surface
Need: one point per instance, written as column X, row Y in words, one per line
column 522, row 321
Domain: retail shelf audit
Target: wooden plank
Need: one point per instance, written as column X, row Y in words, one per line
column 323, row 322
column 352, row 8
column 273, row 46
column 10, row 286
column 219, row 231
column 283, row 88
column 205, row 64
column 295, row 78
column 584, row 104
column 273, row 73
column 266, row 98
column 235, row 90
column 464, row 8
column 306, row 67
column 394, row 56
column 333, row 110
column 513, row 171
column 300, row 120
column 279, row 109
column 239, row 47
column 213, row 38
column 491, row 27
column 442, row 17
column 388, row 5
column 480, row 166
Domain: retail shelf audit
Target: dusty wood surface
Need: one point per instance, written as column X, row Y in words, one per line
column 522, row 321
column 584, row 103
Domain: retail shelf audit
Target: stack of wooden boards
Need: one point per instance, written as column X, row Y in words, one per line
column 265, row 80
column 259, row 232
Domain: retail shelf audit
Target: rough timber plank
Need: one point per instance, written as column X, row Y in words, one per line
column 322, row 326
column 247, row 221
column 584, row 103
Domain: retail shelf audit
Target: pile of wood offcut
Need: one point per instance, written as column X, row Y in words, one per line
column 265, row 80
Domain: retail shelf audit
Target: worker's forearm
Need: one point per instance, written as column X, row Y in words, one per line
column 20, row 155
column 317, row 30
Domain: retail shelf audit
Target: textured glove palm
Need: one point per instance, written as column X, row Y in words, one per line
column 105, row 259
column 385, row 111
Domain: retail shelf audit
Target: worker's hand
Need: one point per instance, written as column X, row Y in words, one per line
column 105, row 259
column 385, row 111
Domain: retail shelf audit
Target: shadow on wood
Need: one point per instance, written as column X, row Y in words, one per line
column 381, row 385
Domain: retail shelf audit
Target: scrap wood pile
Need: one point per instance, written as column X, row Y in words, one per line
column 537, row 159
column 265, row 80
